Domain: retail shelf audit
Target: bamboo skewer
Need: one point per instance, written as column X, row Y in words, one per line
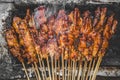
column 59, row 69
column 25, row 71
column 55, row 73
column 88, row 72
column 69, row 69
column 74, row 71
column 66, row 69
column 44, row 68
column 93, row 65
column 79, row 72
column 83, row 66
column 62, row 65
column 77, row 68
column 96, row 68
column 49, row 69
column 42, row 73
column 84, row 70
column 69, row 64
column 37, row 71
column 39, row 59
column 52, row 68
column 62, row 68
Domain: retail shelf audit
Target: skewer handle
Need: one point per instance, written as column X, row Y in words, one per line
column 97, row 67
column 49, row 69
column 37, row 71
column 25, row 71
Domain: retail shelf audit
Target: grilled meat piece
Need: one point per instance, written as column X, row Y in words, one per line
column 13, row 44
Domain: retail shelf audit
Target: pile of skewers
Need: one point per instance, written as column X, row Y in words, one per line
column 61, row 47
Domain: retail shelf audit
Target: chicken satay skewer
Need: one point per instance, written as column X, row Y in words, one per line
column 37, row 49
column 34, row 34
column 33, row 31
column 104, row 45
column 102, row 13
column 52, row 48
column 40, row 60
column 24, row 35
column 13, row 43
column 106, row 35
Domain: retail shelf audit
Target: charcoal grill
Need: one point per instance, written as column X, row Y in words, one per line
column 111, row 62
